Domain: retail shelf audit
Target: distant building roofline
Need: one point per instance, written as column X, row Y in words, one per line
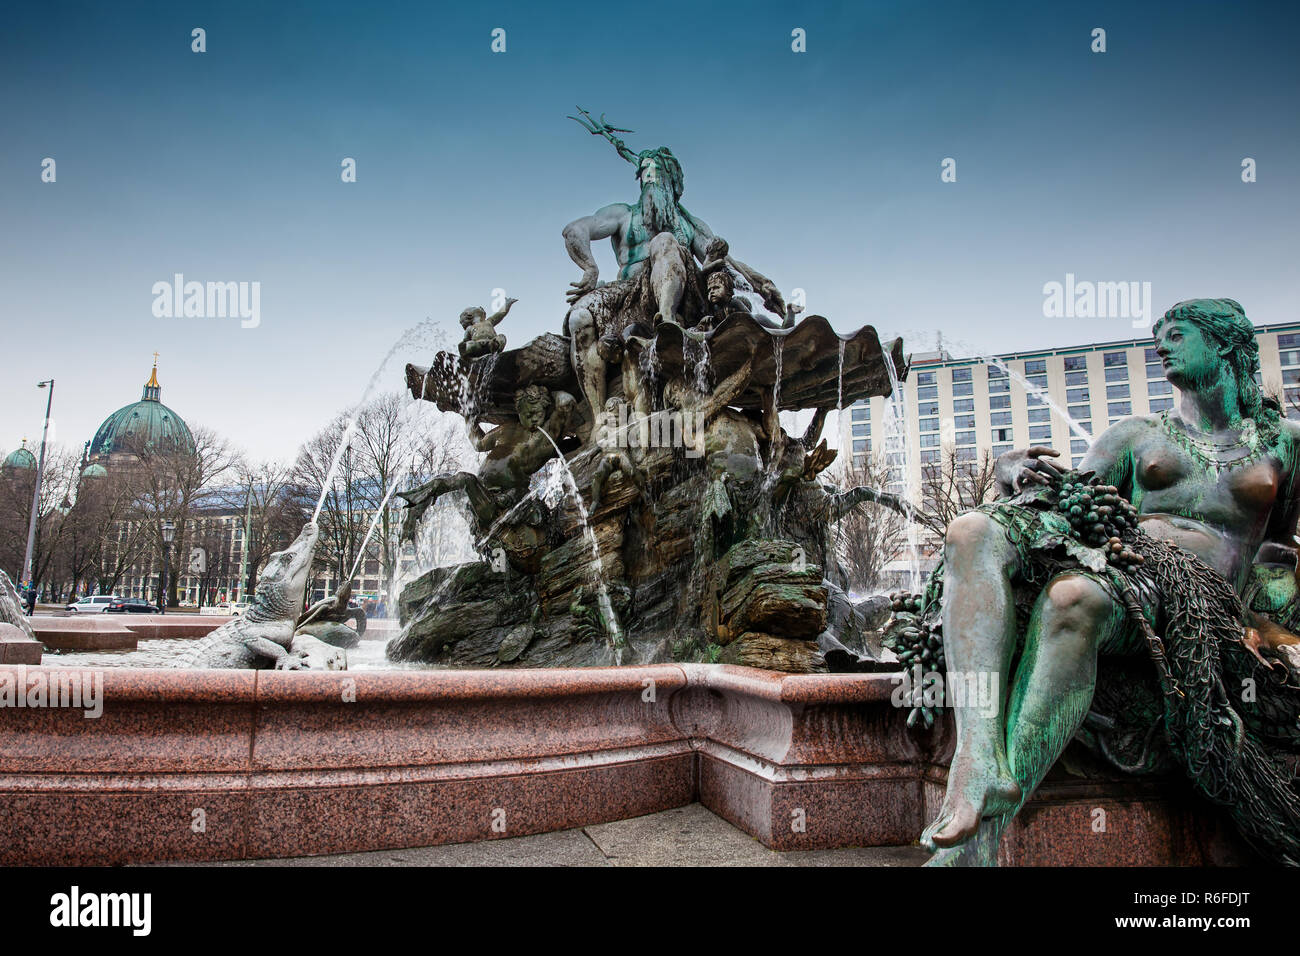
column 932, row 359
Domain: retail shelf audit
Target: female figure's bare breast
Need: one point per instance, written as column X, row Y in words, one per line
column 1218, row 513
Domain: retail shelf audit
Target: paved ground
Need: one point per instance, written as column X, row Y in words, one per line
column 686, row 836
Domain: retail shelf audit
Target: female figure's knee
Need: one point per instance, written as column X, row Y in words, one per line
column 1077, row 603
column 970, row 532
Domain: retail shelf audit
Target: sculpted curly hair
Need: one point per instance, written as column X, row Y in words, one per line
column 1224, row 321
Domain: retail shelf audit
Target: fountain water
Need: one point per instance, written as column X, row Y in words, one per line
column 702, row 367
column 418, row 334
column 898, row 454
column 1042, row 394
column 774, row 456
column 839, row 383
column 613, row 633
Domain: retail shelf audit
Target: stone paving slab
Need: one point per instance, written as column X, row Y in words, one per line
column 684, row 836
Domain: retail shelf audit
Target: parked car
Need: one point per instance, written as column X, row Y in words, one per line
column 95, row 604
column 131, row 606
column 237, row 608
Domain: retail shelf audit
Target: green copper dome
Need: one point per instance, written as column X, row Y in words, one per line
column 94, row 470
column 20, row 458
column 144, row 425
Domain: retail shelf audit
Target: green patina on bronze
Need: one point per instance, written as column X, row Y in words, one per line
column 1059, row 588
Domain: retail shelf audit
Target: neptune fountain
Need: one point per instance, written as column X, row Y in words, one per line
column 640, row 500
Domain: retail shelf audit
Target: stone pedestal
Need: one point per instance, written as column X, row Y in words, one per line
column 17, row 648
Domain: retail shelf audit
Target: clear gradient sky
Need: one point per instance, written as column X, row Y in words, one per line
column 821, row 169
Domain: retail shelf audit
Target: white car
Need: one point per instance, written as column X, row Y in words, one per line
column 95, row 604
column 235, row 608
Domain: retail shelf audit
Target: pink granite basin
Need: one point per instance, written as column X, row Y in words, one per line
column 201, row 765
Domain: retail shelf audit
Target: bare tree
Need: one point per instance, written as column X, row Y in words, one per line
column 953, row 486
column 270, row 506
column 394, row 444
column 54, row 503
column 169, row 485
column 16, row 488
column 327, row 469
column 872, row 534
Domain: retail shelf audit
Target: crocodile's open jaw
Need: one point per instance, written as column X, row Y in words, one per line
column 284, row 581
column 299, row 556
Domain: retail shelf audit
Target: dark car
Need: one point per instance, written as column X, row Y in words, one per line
column 131, row 606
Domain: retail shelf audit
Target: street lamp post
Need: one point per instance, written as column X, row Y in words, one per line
column 36, row 492
column 168, row 534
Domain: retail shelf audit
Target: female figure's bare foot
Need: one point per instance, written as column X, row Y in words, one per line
column 980, row 850
column 973, row 794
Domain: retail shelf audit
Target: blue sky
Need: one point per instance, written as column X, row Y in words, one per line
column 820, row 168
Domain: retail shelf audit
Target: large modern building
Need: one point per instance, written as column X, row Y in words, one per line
column 962, row 408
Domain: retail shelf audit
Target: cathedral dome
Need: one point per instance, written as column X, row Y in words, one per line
column 146, row 425
column 20, row 459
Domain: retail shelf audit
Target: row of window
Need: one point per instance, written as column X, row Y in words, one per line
column 1115, row 364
